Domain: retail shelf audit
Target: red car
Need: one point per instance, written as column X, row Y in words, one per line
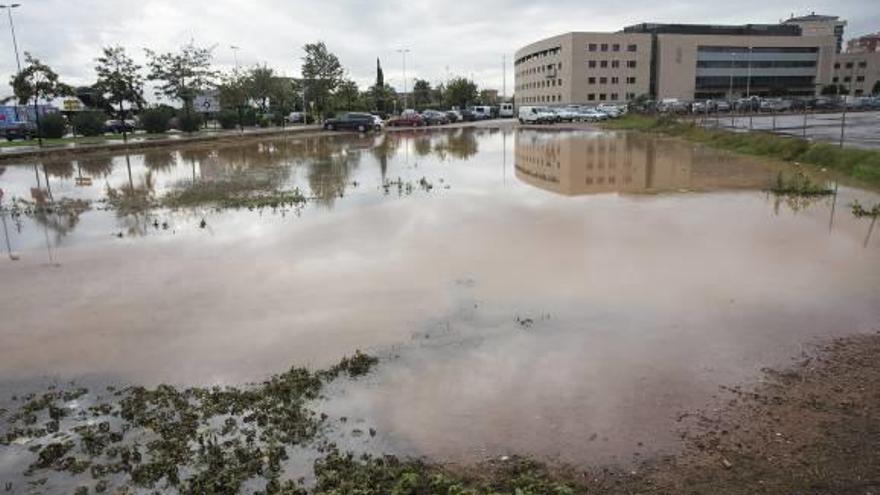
column 407, row 119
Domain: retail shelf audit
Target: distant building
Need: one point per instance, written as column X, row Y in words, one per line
column 858, row 72
column 684, row 61
column 869, row 43
column 820, row 25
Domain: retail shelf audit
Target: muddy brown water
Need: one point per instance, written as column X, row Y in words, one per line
column 559, row 294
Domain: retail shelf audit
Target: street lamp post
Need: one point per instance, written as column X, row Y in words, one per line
column 12, row 29
column 14, row 41
column 403, row 52
column 235, row 50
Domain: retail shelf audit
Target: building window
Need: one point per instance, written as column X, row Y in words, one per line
column 849, row 65
column 604, row 47
column 631, row 48
column 591, row 80
column 630, row 96
column 560, row 66
column 863, row 65
column 860, row 78
column 631, row 64
column 603, row 64
column 603, row 80
column 559, row 82
column 591, row 97
column 615, row 80
column 615, row 47
column 614, row 96
column 615, row 64
column 591, row 47
column 630, row 80
column 602, row 97
column 591, row 64
column 847, row 79
column 835, row 79
column 837, row 65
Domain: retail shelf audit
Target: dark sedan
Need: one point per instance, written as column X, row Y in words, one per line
column 361, row 122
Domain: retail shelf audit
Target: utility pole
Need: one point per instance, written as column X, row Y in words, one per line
column 403, row 52
column 235, row 50
column 504, row 75
column 14, row 42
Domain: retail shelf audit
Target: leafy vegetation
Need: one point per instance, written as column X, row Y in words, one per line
column 863, row 165
column 799, row 185
column 155, row 120
column 89, row 123
column 860, row 211
column 53, row 126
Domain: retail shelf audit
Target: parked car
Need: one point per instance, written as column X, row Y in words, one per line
column 566, row 114
column 433, row 117
column 591, row 115
column 361, row 122
column 468, row 115
column 296, row 118
column 722, row 106
column 672, row 105
column 775, row 105
column 505, row 111
column 453, row 116
column 116, row 126
column 612, row 111
column 408, row 118
column 379, row 123
column 536, row 115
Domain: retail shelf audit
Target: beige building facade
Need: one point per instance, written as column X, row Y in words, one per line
column 858, row 72
column 679, row 61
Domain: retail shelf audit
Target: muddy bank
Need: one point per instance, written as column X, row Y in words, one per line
column 811, row 428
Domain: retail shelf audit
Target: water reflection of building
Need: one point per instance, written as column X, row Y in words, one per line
column 578, row 163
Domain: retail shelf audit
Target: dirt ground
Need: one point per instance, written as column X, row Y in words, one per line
column 811, row 429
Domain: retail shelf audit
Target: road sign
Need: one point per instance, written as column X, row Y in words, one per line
column 72, row 105
column 206, row 103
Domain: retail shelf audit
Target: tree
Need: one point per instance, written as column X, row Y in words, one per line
column 382, row 98
column 235, row 91
column 421, row 94
column 461, row 92
column 321, row 73
column 37, row 81
column 284, row 96
column 347, row 94
column 261, row 81
column 182, row 75
column 876, row 89
column 119, row 81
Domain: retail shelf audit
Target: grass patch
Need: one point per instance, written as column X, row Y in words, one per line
column 48, row 143
column 799, row 185
column 249, row 194
column 863, row 165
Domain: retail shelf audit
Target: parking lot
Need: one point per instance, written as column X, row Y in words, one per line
column 862, row 129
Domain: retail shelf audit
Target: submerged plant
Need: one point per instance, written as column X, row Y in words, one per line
column 860, row 211
column 799, row 185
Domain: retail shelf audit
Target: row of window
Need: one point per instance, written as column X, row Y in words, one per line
column 542, row 99
column 605, row 96
column 758, row 49
column 547, row 83
column 540, row 69
column 849, row 65
column 614, row 64
column 848, row 79
column 615, row 47
column 755, row 64
column 614, row 80
column 541, row 54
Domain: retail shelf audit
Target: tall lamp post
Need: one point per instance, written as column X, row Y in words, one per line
column 235, row 50
column 403, row 52
column 12, row 28
column 8, row 9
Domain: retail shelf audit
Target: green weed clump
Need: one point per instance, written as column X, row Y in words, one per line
column 860, row 211
column 863, row 165
column 799, row 185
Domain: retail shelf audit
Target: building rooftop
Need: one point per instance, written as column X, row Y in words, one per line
column 813, row 17
column 701, row 29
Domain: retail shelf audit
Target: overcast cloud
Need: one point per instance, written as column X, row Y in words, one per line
column 449, row 37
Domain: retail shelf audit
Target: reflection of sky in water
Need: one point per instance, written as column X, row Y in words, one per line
column 652, row 296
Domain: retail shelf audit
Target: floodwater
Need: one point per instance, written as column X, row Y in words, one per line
column 564, row 294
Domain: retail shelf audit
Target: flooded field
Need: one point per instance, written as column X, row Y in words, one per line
column 562, row 294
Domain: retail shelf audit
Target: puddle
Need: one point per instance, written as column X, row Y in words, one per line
column 560, row 294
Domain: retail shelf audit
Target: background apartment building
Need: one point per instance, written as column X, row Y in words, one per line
column 682, row 61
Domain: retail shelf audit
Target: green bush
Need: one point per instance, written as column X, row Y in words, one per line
column 265, row 121
column 228, row 119
column 155, row 120
column 53, row 126
column 191, row 122
column 89, row 123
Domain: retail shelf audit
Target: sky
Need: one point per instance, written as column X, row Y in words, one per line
column 445, row 38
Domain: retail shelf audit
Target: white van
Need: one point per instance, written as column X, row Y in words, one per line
column 536, row 115
column 505, row 111
column 482, row 112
